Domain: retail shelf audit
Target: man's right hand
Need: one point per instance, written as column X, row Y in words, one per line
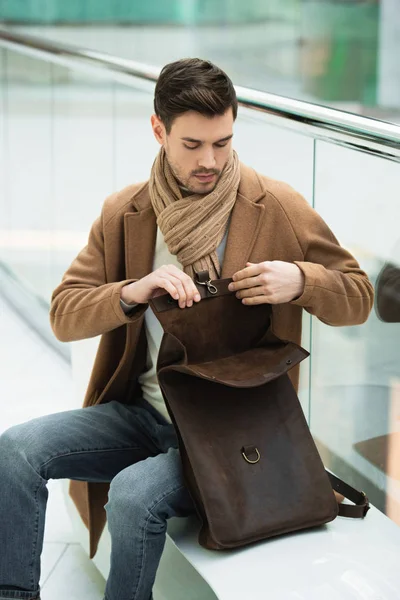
column 167, row 278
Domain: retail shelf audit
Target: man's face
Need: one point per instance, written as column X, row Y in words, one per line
column 197, row 148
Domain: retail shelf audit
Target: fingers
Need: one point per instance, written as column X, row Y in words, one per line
column 249, row 271
column 252, row 284
column 256, row 295
column 251, row 292
column 243, row 284
column 258, row 300
column 251, row 276
column 167, row 285
column 248, row 281
column 179, row 285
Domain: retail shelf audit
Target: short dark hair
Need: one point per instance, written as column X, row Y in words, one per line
column 193, row 84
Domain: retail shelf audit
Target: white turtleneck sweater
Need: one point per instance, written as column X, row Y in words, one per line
column 154, row 332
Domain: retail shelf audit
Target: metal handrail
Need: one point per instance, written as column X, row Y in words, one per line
column 370, row 135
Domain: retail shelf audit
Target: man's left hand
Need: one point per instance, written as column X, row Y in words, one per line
column 269, row 282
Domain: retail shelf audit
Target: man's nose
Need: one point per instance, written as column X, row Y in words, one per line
column 207, row 159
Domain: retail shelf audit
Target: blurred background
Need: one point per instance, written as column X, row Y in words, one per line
column 70, row 135
column 336, row 52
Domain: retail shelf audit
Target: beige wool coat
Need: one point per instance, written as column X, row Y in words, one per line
column 270, row 221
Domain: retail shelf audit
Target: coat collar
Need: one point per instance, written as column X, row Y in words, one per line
column 140, row 228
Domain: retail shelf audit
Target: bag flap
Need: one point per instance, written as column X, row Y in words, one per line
column 251, row 368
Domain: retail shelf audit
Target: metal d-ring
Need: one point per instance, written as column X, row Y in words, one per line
column 252, row 462
column 210, row 287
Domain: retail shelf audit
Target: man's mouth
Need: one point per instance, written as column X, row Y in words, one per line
column 205, row 177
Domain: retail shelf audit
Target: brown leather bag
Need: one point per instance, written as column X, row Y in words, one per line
column 248, row 456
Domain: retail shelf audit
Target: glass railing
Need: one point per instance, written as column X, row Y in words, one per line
column 75, row 127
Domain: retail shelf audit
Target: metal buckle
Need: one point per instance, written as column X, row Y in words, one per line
column 210, row 287
column 252, row 462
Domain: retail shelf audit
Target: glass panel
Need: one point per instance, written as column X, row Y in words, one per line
column 3, row 213
column 28, row 159
column 355, row 392
column 59, row 159
column 275, row 151
column 135, row 145
column 83, row 161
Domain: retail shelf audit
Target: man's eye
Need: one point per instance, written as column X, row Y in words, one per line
column 190, row 147
column 221, row 145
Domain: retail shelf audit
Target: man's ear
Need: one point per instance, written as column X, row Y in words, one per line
column 158, row 129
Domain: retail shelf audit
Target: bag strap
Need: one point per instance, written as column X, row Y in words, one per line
column 361, row 503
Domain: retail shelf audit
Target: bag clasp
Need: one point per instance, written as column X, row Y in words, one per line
column 203, row 278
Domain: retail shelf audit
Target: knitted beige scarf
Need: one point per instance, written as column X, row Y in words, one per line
column 193, row 227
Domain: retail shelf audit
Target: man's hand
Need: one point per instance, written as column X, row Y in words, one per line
column 269, row 282
column 167, row 278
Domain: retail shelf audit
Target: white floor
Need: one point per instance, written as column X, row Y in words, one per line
column 35, row 382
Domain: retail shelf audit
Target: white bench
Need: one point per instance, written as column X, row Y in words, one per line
column 343, row 560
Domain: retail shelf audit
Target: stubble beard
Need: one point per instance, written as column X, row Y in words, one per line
column 184, row 183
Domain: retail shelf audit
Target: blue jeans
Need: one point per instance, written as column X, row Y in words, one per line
column 131, row 446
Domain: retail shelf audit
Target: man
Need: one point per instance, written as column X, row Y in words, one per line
column 201, row 209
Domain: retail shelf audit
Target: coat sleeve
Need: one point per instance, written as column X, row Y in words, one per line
column 336, row 290
column 84, row 305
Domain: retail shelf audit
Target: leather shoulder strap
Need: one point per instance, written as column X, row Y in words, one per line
column 361, row 503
